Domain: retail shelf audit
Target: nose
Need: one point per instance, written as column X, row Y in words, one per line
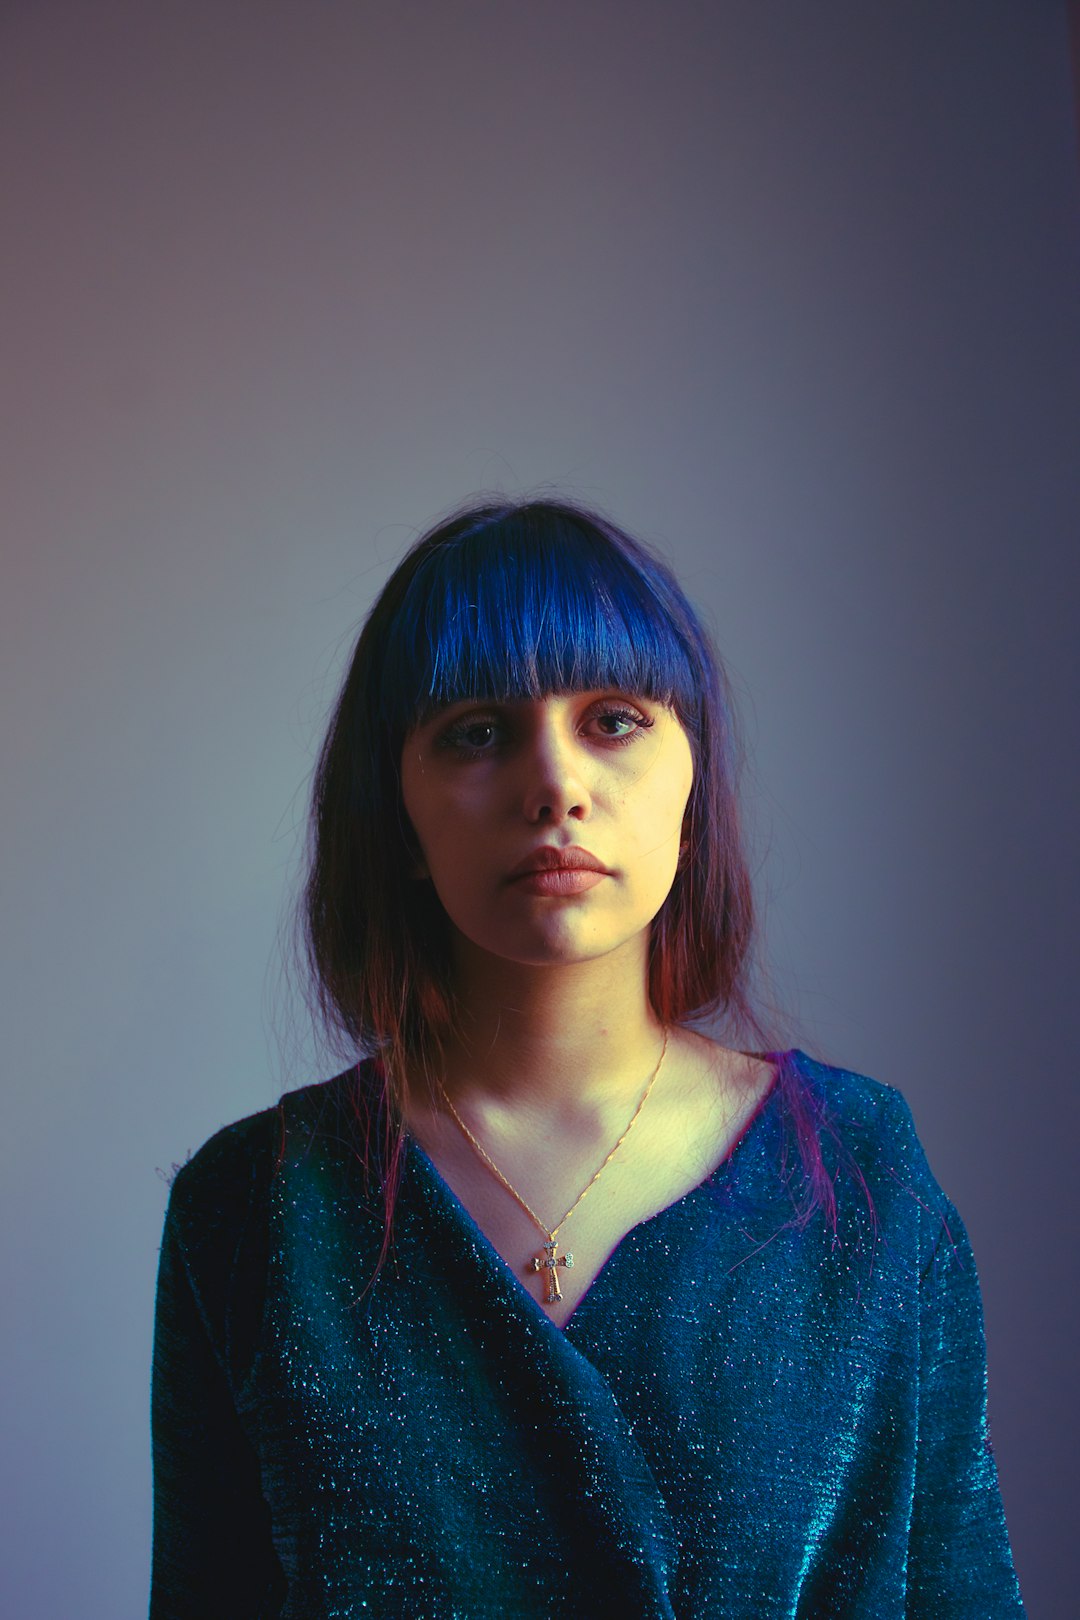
column 554, row 778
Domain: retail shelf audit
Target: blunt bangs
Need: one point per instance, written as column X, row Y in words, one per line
column 526, row 604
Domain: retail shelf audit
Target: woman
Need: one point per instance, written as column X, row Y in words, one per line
column 551, row 1304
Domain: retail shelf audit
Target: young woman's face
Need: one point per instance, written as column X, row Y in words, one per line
column 487, row 785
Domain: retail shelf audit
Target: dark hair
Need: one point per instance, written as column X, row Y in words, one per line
column 507, row 600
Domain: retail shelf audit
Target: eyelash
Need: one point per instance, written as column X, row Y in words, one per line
column 453, row 736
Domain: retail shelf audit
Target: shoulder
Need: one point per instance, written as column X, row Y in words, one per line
column 218, row 1184
column 859, row 1104
column 871, row 1125
column 862, row 1108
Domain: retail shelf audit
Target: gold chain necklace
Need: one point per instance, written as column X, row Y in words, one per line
column 550, row 1261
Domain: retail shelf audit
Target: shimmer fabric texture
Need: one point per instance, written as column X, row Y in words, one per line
column 741, row 1419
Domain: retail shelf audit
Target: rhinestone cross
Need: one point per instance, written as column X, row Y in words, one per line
column 548, row 1263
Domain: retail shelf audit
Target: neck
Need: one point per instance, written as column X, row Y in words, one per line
column 575, row 1033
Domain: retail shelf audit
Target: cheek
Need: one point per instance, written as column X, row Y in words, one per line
column 667, row 795
column 422, row 821
column 446, row 834
column 657, row 823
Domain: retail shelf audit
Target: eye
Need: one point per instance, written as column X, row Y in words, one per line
column 475, row 736
column 627, row 717
column 470, row 736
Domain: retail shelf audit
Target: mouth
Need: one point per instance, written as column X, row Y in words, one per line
column 558, row 872
column 548, row 859
column 559, row 880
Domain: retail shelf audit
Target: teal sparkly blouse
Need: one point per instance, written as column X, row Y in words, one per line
column 742, row 1419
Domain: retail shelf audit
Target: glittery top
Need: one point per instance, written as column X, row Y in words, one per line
column 740, row 1419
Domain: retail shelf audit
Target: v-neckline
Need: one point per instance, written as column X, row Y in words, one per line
column 724, row 1169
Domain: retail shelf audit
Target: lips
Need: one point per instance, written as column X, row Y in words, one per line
column 549, row 859
column 564, row 880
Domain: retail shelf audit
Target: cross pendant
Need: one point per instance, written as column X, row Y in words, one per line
column 548, row 1263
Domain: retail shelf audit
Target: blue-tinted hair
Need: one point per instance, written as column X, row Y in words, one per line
column 523, row 601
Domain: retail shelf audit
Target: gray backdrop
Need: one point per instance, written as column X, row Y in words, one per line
column 791, row 290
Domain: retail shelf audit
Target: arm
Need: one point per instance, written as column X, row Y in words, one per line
column 960, row 1564
column 213, row 1557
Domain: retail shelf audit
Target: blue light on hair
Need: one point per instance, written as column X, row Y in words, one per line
column 531, row 601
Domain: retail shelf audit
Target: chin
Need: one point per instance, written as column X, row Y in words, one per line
column 556, row 945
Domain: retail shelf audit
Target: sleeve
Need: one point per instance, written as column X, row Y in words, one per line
column 213, row 1556
column 960, row 1563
